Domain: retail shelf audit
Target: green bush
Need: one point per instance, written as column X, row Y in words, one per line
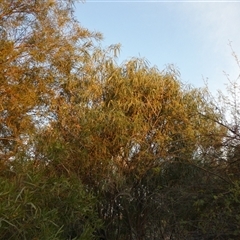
column 35, row 204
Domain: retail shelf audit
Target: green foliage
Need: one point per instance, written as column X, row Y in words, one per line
column 37, row 204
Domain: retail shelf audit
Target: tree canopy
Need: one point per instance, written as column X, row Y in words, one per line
column 92, row 149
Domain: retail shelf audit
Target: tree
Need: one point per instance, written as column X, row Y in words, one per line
column 42, row 48
column 220, row 219
column 130, row 132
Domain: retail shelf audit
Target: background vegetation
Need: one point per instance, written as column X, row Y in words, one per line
column 90, row 149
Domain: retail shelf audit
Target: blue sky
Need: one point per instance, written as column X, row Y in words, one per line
column 192, row 35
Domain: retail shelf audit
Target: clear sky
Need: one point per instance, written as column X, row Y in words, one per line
column 192, row 35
